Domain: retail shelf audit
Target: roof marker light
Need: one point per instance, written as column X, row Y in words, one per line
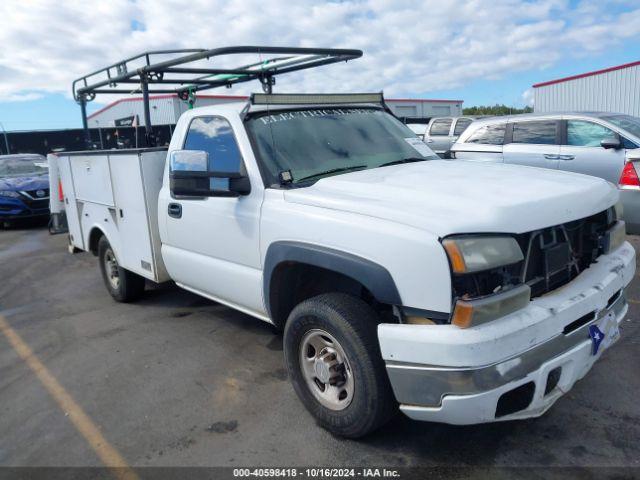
column 315, row 99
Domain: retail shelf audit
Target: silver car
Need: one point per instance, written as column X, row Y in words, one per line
column 442, row 132
column 594, row 143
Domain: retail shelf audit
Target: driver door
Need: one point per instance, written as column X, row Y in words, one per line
column 212, row 243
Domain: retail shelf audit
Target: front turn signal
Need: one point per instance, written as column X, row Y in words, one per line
column 467, row 313
column 455, row 256
column 462, row 314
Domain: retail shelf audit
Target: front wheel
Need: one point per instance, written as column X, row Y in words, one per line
column 123, row 285
column 334, row 361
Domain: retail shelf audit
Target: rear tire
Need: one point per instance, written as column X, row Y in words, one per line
column 334, row 362
column 123, row 285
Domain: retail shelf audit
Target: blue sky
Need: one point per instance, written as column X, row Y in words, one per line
column 480, row 52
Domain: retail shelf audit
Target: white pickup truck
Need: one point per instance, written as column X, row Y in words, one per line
column 462, row 292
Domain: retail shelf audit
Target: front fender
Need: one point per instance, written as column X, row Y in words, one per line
column 412, row 257
column 374, row 277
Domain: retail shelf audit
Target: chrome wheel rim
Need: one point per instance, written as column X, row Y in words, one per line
column 326, row 369
column 111, row 269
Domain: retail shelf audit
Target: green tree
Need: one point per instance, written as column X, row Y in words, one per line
column 495, row 110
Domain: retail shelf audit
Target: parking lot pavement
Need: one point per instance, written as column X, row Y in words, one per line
column 178, row 380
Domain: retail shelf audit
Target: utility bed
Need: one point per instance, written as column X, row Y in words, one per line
column 117, row 191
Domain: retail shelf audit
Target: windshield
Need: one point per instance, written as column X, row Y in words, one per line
column 625, row 122
column 314, row 143
column 22, row 166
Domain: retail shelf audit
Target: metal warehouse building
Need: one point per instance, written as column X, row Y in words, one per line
column 165, row 109
column 614, row 89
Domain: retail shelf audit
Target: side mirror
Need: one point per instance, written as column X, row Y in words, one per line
column 189, row 176
column 189, row 161
column 611, row 143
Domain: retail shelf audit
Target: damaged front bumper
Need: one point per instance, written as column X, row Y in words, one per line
column 516, row 366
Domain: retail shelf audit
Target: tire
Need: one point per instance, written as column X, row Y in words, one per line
column 129, row 286
column 351, row 326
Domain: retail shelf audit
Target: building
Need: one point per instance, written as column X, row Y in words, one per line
column 165, row 109
column 614, row 89
column 424, row 107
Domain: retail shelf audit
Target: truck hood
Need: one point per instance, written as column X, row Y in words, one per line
column 26, row 182
column 446, row 197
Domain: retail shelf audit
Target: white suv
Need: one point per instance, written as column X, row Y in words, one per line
column 442, row 132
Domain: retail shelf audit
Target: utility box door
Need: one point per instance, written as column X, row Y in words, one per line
column 131, row 215
column 92, row 179
column 71, row 206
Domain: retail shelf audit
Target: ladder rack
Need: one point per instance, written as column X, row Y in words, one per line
column 169, row 71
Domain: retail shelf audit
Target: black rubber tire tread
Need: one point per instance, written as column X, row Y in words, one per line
column 353, row 323
column 131, row 285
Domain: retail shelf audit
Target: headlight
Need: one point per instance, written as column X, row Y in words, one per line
column 614, row 237
column 9, row 193
column 470, row 254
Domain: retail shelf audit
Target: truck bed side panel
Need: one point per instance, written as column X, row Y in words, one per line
column 116, row 192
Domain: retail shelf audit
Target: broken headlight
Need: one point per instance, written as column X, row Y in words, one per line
column 615, row 213
column 485, row 278
column 470, row 254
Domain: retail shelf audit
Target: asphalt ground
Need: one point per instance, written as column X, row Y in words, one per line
column 177, row 380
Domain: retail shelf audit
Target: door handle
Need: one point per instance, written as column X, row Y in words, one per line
column 429, row 141
column 175, row 210
column 551, row 156
column 567, row 157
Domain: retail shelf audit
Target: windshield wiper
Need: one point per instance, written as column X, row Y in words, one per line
column 329, row 172
column 404, row 160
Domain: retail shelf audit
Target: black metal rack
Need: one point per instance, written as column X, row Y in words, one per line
column 173, row 76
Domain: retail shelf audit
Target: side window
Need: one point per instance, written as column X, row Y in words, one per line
column 461, row 125
column 628, row 144
column 539, row 133
column 215, row 136
column 582, row 133
column 441, row 126
column 488, row 135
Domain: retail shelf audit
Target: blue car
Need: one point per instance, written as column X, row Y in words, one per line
column 24, row 187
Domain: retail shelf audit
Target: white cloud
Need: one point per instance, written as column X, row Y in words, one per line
column 411, row 47
column 527, row 97
column 22, row 97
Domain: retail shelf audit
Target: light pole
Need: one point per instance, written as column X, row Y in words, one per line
column 6, row 139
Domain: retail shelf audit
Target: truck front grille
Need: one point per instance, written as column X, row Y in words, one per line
column 556, row 255
column 553, row 257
